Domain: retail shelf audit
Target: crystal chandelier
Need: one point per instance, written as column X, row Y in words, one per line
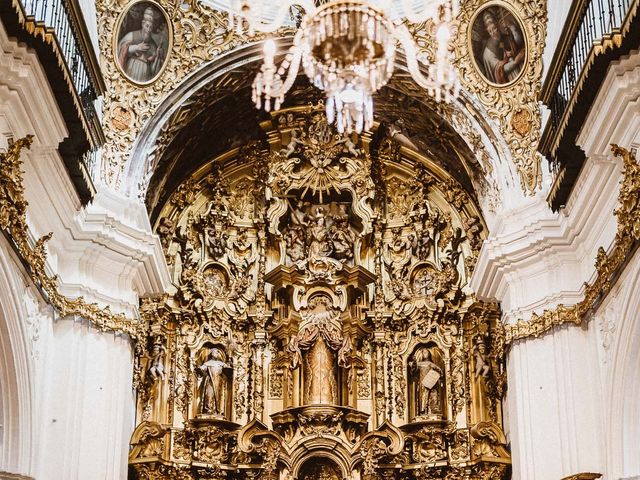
column 348, row 49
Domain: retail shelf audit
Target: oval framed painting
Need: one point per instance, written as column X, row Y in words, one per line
column 143, row 41
column 498, row 44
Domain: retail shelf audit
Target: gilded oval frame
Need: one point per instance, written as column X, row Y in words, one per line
column 118, row 36
column 470, row 43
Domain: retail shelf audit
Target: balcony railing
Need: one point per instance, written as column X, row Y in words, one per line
column 60, row 26
column 64, row 19
column 593, row 27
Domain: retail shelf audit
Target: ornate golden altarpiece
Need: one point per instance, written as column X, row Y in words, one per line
column 321, row 325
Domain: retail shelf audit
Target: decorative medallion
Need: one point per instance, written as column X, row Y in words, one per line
column 504, row 72
column 143, row 41
column 121, row 118
column 521, row 121
column 498, row 44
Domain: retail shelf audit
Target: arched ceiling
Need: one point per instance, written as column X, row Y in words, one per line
column 221, row 116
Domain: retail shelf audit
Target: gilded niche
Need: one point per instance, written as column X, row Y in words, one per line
column 321, row 324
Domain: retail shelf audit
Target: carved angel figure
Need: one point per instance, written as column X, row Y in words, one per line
column 217, row 242
column 185, row 238
column 398, row 251
column 295, row 140
column 343, row 239
column 295, row 242
column 298, row 214
column 421, row 242
column 480, row 354
column 242, row 254
column 349, row 146
column 156, row 366
column 165, row 230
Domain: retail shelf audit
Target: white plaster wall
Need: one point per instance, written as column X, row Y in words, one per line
column 557, row 15
column 617, row 326
column 68, row 406
column 557, row 11
column 17, row 382
column 554, row 404
column 67, row 402
column 88, row 8
column 573, row 396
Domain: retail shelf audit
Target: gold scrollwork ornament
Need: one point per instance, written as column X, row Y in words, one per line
column 502, row 101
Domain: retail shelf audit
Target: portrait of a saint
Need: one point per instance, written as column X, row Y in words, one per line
column 498, row 44
column 143, row 39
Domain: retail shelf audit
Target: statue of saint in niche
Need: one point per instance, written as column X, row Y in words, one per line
column 428, row 380
column 156, row 366
column 214, row 372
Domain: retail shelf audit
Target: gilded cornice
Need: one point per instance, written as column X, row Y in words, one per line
column 13, row 209
column 609, row 266
column 584, row 476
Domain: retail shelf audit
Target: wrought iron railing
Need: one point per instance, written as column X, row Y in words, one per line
column 592, row 27
column 62, row 22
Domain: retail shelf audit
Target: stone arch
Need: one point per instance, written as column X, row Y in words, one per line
column 500, row 171
column 16, row 374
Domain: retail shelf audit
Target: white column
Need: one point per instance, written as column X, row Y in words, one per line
column 86, row 403
column 554, row 405
column 533, row 260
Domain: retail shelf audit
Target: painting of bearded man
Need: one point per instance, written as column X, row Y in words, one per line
column 498, row 45
column 143, row 42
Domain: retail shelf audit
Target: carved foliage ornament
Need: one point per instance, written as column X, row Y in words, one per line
column 357, row 332
column 608, row 265
column 13, row 209
column 201, row 33
column 511, row 102
column 195, row 34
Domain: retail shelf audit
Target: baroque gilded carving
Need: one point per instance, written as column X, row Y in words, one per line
column 514, row 105
column 13, row 222
column 320, row 311
column 608, row 264
column 199, row 34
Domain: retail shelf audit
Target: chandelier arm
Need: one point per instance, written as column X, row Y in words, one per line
column 411, row 54
column 270, row 27
column 291, row 74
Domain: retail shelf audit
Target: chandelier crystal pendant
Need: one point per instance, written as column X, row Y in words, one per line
column 348, row 49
